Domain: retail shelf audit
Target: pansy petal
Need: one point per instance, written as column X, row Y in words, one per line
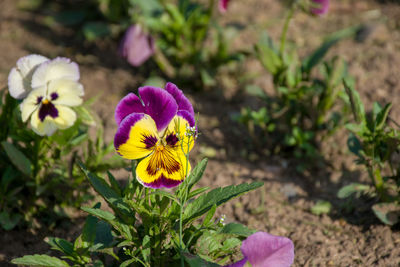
column 136, row 46
column 19, row 79
column 322, row 7
column 65, row 92
column 136, row 136
column 32, row 102
column 180, row 98
column 223, row 5
column 47, row 127
column 266, row 250
column 179, row 126
column 129, row 104
column 66, row 117
column 165, row 167
column 58, row 68
column 159, row 104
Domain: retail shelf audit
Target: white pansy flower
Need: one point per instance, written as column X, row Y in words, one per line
column 19, row 79
column 55, row 89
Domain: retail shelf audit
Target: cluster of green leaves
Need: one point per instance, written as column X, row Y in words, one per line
column 376, row 143
column 142, row 228
column 309, row 103
column 38, row 176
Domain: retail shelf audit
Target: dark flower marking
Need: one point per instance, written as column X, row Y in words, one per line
column 54, row 96
column 39, row 100
column 47, row 109
column 149, row 141
column 171, row 139
column 162, row 160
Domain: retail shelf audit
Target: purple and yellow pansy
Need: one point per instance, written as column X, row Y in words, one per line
column 157, row 126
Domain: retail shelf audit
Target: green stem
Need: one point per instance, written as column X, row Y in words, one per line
column 289, row 16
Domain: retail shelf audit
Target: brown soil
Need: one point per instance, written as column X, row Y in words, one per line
column 282, row 207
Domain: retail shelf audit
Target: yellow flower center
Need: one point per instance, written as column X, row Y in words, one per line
column 160, row 148
column 45, row 101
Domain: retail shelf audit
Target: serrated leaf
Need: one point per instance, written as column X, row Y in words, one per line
column 17, row 158
column 216, row 197
column 350, row 189
column 40, row 260
column 237, row 229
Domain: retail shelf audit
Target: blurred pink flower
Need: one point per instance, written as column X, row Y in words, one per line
column 265, row 250
column 223, row 5
column 136, row 46
column 322, row 9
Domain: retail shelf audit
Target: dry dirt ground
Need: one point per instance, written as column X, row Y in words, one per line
column 283, row 205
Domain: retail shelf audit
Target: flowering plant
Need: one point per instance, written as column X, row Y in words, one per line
column 36, row 164
column 149, row 226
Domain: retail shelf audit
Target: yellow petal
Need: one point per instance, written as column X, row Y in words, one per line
column 136, row 136
column 165, row 167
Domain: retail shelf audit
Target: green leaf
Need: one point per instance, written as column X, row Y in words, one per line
column 350, row 189
column 209, row 216
column 40, row 260
column 196, row 261
column 61, row 244
column 8, row 221
column 165, row 194
column 197, row 191
column 95, row 29
column 255, row 90
column 356, row 104
column 269, row 58
column 17, row 158
column 311, row 61
column 102, row 214
column 148, row 7
column 382, row 116
column 216, row 197
column 89, row 230
column 354, row 145
column 388, row 213
column 321, row 207
column 197, row 173
column 114, row 183
column 70, row 17
column 107, row 192
column 237, row 229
